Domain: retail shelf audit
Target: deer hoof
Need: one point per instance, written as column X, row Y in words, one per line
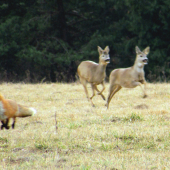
column 91, row 97
column 103, row 98
column 107, row 106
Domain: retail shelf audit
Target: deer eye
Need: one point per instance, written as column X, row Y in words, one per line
column 141, row 56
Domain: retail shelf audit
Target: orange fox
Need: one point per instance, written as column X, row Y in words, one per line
column 10, row 109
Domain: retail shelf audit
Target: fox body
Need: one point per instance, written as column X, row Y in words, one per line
column 129, row 77
column 94, row 73
column 10, row 109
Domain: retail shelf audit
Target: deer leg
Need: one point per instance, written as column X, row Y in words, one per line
column 114, row 89
column 93, row 93
column 100, row 92
column 84, row 83
column 111, row 89
column 145, row 94
column 140, row 84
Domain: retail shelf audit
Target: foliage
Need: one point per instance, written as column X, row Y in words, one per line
column 50, row 38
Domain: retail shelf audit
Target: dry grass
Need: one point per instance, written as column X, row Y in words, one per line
column 133, row 134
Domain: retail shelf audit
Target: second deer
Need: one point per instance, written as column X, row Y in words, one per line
column 129, row 77
column 94, row 73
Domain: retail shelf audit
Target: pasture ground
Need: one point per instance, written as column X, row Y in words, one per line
column 133, row 134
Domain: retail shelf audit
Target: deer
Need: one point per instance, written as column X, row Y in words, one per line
column 130, row 77
column 94, row 73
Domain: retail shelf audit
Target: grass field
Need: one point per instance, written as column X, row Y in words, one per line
column 133, row 134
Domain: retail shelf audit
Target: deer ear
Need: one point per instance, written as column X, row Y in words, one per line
column 100, row 49
column 146, row 50
column 107, row 49
column 137, row 49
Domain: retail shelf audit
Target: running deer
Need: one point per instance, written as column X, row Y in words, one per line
column 129, row 77
column 94, row 73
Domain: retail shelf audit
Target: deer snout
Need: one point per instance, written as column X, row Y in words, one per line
column 107, row 59
column 145, row 61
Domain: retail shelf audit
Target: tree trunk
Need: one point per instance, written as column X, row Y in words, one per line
column 62, row 20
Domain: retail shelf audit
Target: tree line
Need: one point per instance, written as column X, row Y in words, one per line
column 44, row 40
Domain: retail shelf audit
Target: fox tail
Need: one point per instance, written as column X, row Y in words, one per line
column 24, row 111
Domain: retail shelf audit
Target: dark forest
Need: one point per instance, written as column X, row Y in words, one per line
column 44, row 40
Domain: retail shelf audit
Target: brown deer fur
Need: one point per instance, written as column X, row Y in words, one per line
column 129, row 77
column 94, row 73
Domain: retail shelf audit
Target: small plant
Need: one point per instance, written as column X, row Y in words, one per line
column 150, row 145
column 128, row 139
column 106, row 146
column 133, row 117
column 74, row 125
column 41, row 145
column 3, row 142
column 84, row 167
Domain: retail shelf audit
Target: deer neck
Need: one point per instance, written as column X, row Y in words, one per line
column 101, row 67
column 138, row 66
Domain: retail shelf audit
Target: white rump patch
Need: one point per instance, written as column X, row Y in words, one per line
column 2, row 110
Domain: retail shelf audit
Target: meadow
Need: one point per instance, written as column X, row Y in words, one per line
column 68, row 133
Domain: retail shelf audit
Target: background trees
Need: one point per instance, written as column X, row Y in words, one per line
column 46, row 40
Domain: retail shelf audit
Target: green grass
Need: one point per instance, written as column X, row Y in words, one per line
column 133, row 117
column 132, row 134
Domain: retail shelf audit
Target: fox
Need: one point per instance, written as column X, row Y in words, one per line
column 10, row 109
column 130, row 77
column 94, row 73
